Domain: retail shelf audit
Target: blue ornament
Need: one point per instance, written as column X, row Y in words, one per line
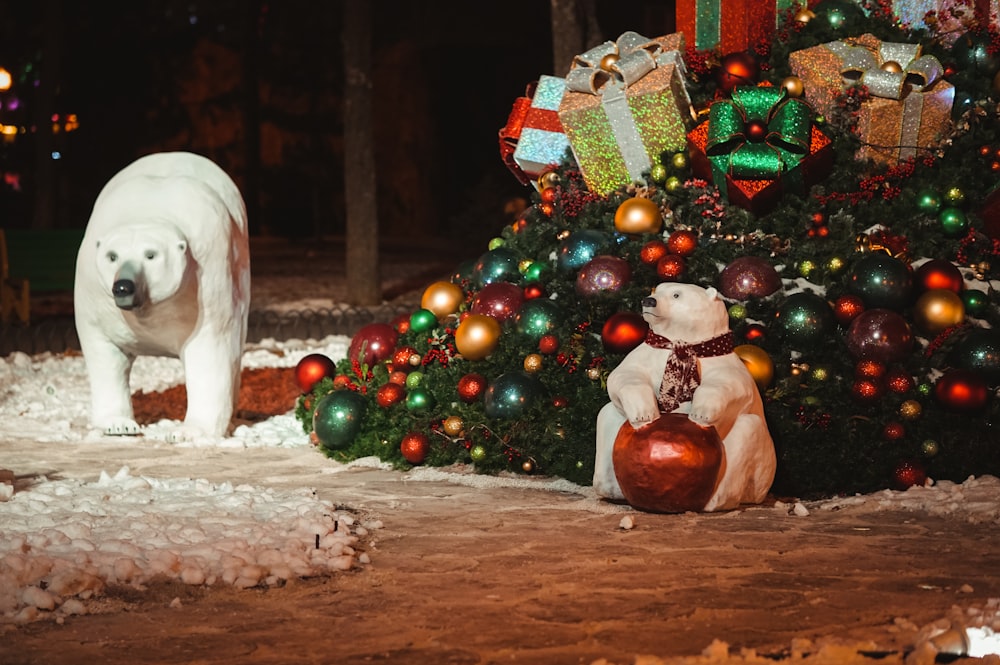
column 511, row 394
column 577, row 249
column 498, row 265
column 538, row 317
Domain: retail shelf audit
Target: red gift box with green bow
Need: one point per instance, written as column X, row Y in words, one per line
column 758, row 146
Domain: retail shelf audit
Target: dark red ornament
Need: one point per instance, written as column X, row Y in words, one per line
column 401, row 358
column 893, row 431
column 846, row 308
column 962, row 390
column 756, row 131
column 739, row 68
column 682, row 243
column 471, row 387
column 532, row 291
column 623, row 331
column 670, row 267
column 401, row 323
column 372, row 344
column 899, row 381
column 549, row 194
column 938, row 274
column 669, row 466
column 869, row 369
column 909, row 473
column 312, row 369
column 867, row 391
column 548, row 344
column 652, row 252
column 389, row 394
column 414, row 447
column 754, row 332
column 560, row 402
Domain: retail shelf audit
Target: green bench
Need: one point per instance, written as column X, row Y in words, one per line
column 35, row 261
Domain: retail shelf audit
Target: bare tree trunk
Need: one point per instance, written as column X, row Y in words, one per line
column 251, row 115
column 574, row 30
column 45, row 173
column 363, row 280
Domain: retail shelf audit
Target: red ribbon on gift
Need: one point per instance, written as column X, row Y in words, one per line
column 522, row 115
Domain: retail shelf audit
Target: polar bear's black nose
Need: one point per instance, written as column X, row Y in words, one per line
column 649, row 301
column 123, row 288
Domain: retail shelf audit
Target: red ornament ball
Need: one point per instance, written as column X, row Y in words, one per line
column 532, row 291
column 962, row 390
column 899, row 381
column 652, row 252
column 739, row 68
column 372, row 344
column 893, row 431
column 342, row 382
column 754, row 332
column 869, row 369
column 756, row 130
column 909, row 473
column 389, row 394
column 401, row 357
column 682, row 243
column 549, row 194
column 560, row 402
column 847, row 307
column 414, row 447
column 623, row 331
column 548, row 344
column 938, row 274
column 867, row 391
column 312, row 369
column 401, row 323
column 669, row 466
column 471, row 387
column 670, row 267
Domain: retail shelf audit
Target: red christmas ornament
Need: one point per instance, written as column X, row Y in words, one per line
column 682, row 243
column 869, row 369
column 471, row 387
column 548, row 344
column 549, row 194
column 754, row 332
column 899, row 381
column 532, row 291
column 389, row 394
column 669, row 466
column 546, row 208
column 401, row 357
column 623, row 331
column 342, row 382
column 372, row 344
column 670, row 267
column 560, row 402
column 397, row 376
column 652, row 252
column 846, row 308
column 893, row 431
column 909, row 473
column 938, row 274
column 738, row 68
column 756, row 130
column 962, row 390
column 866, row 391
column 401, row 323
column 414, row 447
column 312, row 369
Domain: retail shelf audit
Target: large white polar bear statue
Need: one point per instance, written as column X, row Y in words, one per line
column 718, row 390
column 164, row 270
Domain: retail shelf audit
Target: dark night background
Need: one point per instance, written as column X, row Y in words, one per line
column 167, row 75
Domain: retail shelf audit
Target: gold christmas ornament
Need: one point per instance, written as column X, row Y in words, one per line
column 477, row 336
column 593, row 373
column 608, row 61
column 679, row 160
column 910, row 409
column 758, row 363
column 533, row 363
column 891, row 66
column 794, row 86
column 523, row 265
column 528, row 465
column 638, row 215
column 442, row 298
column 453, row 426
column 937, row 310
column 548, row 179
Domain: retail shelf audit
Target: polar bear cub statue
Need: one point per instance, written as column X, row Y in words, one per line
column 717, row 389
column 164, row 270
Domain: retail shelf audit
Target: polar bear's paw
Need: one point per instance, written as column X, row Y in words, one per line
column 122, row 427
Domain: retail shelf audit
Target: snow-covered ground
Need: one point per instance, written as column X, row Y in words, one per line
column 63, row 540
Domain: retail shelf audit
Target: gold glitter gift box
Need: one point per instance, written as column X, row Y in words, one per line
column 909, row 107
column 626, row 102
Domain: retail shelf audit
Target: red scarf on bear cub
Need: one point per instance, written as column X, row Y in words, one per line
column 680, row 376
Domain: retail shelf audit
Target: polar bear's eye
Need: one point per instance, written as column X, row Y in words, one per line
column 150, row 254
column 112, row 256
column 676, row 295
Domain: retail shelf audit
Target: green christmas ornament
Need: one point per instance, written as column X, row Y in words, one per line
column 422, row 320
column 498, row 265
column 928, row 201
column 737, row 312
column 679, row 160
column 975, row 301
column 953, row 222
column 477, row 453
column 672, row 184
column 972, row 51
column 838, row 12
column 925, row 389
column 338, row 417
column 414, row 379
column 537, row 317
column 805, row 319
column 658, row 172
column 534, row 272
column 496, row 243
column 979, row 351
column 807, row 268
column 419, row 399
column 510, row 394
column 881, row 281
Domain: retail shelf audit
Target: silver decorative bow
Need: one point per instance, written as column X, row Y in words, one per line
column 862, row 64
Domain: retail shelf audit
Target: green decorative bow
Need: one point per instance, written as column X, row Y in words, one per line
column 784, row 126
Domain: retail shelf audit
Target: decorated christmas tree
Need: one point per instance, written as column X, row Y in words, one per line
column 836, row 181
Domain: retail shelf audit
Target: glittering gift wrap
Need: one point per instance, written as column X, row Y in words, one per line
column 542, row 143
column 510, row 133
column 907, row 110
column 620, row 120
column 731, row 25
column 758, row 146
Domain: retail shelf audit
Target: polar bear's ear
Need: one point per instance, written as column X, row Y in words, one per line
column 712, row 293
